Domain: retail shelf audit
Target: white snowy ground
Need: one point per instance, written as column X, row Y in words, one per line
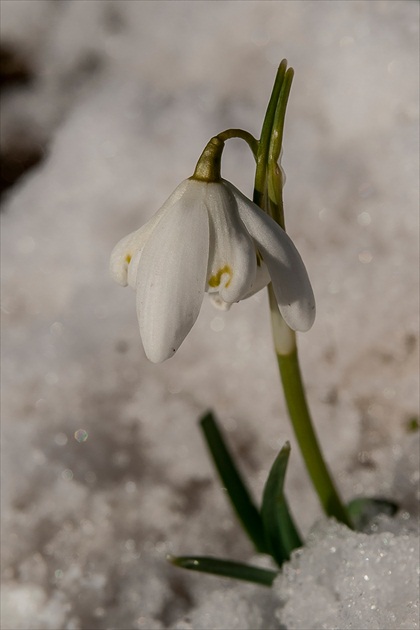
column 127, row 94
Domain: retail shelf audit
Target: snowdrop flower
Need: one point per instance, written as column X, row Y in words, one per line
column 207, row 237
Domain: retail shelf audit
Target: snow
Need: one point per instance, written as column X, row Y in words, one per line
column 340, row 579
column 104, row 470
column 347, row 580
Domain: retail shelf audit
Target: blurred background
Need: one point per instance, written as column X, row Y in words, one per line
column 105, row 108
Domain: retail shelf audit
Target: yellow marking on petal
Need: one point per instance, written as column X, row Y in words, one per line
column 128, row 259
column 214, row 281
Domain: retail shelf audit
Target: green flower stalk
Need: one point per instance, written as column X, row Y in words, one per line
column 269, row 181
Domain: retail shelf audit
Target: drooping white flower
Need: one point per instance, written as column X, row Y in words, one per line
column 207, row 237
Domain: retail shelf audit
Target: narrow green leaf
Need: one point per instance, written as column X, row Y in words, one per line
column 275, row 181
column 276, row 138
column 239, row 494
column 281, row 533
column 266, row 131
column 363, row 509
column 225, row 568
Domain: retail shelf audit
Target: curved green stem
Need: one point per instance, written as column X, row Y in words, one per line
column 209, row 163
column 243, row 135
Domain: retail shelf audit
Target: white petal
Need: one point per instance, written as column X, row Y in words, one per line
column 233, row 258
column 218, row 303
column 172, row 274
column 288, row 273
column 123, row 252
column 126, row 254
column 262, row 278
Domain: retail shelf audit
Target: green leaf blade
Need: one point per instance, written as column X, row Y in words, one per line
column 266, row 132
column 364, row 509
column 238, row 493
column 281, row 533
column 225, row 568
